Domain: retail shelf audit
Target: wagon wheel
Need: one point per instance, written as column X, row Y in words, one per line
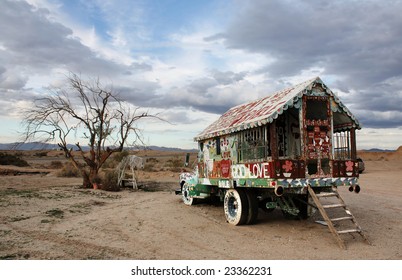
column 252, row 207
column 236, row 206
column 185, row 195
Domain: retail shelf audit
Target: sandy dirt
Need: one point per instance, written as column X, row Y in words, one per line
column 46, row 217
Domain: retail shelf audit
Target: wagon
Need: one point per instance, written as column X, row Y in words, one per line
column 270, row 152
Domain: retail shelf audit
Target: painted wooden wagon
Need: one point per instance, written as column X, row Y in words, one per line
column 277, row 152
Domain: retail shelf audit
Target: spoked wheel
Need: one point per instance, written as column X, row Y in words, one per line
column 185, row 195
column 236, row 206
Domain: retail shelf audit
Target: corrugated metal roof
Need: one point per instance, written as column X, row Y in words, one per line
column 265, row 110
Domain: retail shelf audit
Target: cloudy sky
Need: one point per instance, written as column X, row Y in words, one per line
column 190, row 61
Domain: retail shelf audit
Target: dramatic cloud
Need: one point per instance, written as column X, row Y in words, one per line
column 33, row 43
column 356, row 41
column 194, row 60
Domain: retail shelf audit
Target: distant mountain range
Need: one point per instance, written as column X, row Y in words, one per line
column 45, row 146
column 379, row 150
column 28, row 146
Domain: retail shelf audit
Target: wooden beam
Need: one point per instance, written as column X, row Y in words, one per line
column 273, row 141
column 353, row 143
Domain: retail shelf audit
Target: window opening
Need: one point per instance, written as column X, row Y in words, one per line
column 317, row 109
column 342, row 145
column 218, row 145
column 254, row 144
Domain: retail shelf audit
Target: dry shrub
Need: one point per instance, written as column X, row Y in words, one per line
column 109, row 181
column 150, row 168
column 151, row 165
column 56, row 164
column 175, row 164
column 41, row 154
column 69, row 170
column 16, row 160
column 110, row 163
column 152, row 160
column 119, row 156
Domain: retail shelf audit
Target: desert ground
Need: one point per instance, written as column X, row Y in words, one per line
column 43, row 216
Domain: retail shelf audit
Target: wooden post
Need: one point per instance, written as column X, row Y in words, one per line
column 353, row 143
column 273, row 143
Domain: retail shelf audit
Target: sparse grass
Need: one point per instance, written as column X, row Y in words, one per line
column 80, row 208
column 30, row 194
column 58, row 195
column 99, row 194
column 56, row 213
column 149, row 189
column 19, row 218
column 4, row 232
column 15, row 256
column 84, row 208
column 20, row 193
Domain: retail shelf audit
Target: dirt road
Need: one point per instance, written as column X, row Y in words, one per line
column 43, row 217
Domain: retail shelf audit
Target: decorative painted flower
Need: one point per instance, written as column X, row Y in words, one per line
column 349, row 165
column 287, row 166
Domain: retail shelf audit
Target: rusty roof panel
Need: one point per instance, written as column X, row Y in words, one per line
column 264, row 110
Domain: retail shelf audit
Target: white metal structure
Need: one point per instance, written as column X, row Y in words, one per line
column 133, row 162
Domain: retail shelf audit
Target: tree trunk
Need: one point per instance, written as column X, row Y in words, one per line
column 86, row 183
column 89, row 179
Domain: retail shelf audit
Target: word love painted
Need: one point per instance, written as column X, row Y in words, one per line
column 250, row 170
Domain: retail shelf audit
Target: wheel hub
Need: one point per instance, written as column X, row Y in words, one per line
column 233, row 205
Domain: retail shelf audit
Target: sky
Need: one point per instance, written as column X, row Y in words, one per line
column 190, row 61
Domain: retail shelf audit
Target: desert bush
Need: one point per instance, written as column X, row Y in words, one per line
column 152, row 160
column 110, row 163
column 7, row 159
column 40, row 154
column 109, row 181
column 119, row 156
column 56, row 164
column 68, row 170
column 150, row 167
column 175, row 164
column 150, row 164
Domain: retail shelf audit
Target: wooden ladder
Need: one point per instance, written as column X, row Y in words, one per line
column 329, row 221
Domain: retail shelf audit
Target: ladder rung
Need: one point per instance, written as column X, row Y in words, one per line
column 349, row 231
column 326, row 194
column 333, row 205
column 342, row 218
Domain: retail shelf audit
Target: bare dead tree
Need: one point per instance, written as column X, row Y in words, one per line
column 88, row 108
